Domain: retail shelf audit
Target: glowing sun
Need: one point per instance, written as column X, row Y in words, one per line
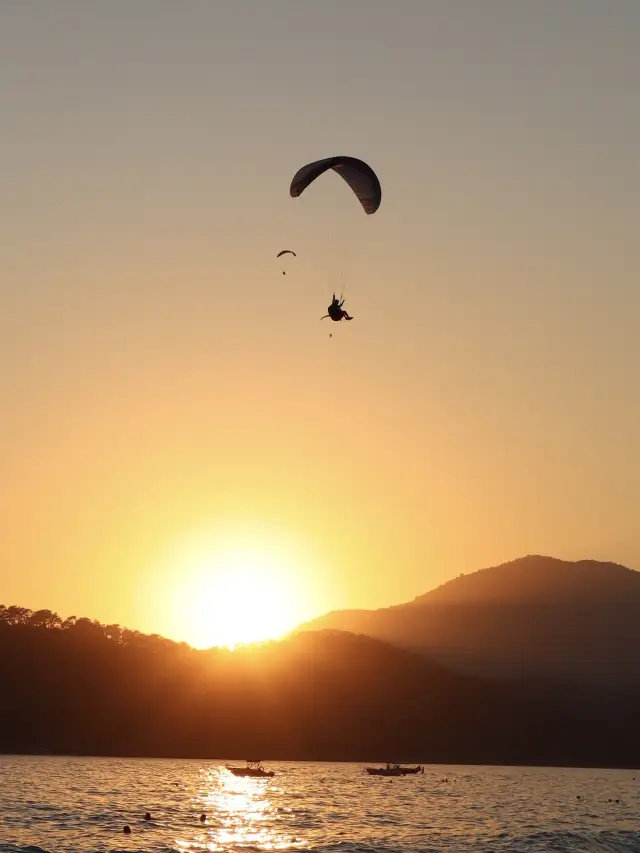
column 226, row 596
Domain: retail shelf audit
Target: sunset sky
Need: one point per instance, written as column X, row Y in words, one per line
column 178, row 429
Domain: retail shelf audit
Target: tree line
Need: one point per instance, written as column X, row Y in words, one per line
column 76, row 686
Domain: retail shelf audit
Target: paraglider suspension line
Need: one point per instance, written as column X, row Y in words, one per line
column 343, row 286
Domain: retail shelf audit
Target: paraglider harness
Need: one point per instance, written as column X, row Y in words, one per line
column 336, row 312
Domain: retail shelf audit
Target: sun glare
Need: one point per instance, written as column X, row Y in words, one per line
column 227, row 595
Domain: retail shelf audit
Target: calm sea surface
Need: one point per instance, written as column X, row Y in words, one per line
column 81, row 805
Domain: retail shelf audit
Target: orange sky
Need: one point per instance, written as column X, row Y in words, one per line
column 160, row 379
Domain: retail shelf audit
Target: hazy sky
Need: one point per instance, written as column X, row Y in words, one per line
column 161, row 380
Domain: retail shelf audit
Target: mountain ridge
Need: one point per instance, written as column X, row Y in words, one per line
column 536, row 615
column 555, row 578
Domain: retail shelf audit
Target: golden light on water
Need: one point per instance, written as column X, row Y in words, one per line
column 240, row 814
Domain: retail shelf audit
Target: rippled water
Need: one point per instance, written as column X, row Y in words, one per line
column 81, row 805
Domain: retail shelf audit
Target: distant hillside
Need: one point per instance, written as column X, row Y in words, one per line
column 78, row 687
column 541, row 579
column 536, row 616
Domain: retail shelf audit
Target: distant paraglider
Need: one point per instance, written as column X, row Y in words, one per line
column 286, row 252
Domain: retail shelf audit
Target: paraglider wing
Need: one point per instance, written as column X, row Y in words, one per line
column 360, row 177
column 286, row 252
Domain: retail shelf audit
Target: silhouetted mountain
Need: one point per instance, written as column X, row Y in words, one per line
column 536, row 616
column 541, row 579
column 78, row 687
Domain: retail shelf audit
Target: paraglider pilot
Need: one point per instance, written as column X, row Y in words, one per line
column 336, row 311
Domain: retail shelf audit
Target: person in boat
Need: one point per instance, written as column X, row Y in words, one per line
column 336, row 312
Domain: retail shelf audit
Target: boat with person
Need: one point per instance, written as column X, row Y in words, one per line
column 394, row 770
column 253, row 769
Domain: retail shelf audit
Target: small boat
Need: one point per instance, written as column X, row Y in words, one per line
column 253, row 769
column 394, row 770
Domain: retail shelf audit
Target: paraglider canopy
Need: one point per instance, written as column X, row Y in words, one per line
column 358, row 174
column 286, row 252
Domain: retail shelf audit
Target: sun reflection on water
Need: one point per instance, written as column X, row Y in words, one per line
column 239, row 813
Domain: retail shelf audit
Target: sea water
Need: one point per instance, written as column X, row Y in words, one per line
column 81, row 805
